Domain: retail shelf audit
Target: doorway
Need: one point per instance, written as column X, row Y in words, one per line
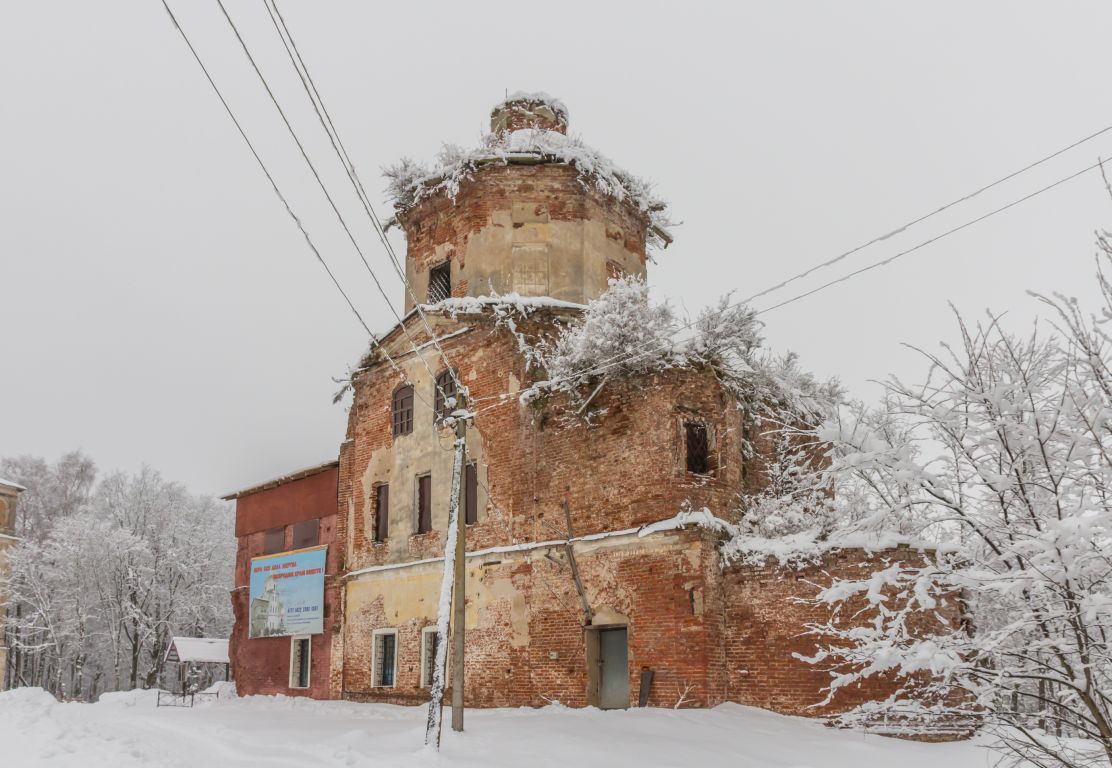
column 613, row 668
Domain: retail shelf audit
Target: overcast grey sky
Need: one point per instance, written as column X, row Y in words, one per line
column 157, row 304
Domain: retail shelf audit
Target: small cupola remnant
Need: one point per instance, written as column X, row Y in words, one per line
column 529, row 110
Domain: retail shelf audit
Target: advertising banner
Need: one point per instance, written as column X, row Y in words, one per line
column 287, row 593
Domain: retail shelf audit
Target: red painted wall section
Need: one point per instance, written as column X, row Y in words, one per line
column 291, row 502
column 262, row 665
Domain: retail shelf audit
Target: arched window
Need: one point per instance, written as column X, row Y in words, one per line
column 403, row 410
column 445, row 392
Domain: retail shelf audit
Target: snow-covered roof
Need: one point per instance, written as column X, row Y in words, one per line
column 411, row 182
column 198, row 649
column 288, row 477
column 11, row 484
column 212, row 650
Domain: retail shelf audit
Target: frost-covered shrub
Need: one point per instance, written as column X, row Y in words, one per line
column 622, row 334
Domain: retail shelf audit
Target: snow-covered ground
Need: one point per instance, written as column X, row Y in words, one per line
column 126, row 730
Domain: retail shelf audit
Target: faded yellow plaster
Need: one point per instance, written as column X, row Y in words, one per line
column 566, row 259
column 426, row 450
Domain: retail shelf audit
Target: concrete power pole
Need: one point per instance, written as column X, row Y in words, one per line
column 459, row 585
column 450, row 621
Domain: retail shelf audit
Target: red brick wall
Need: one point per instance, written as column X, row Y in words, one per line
column 766, row 613
column 261, row 665
column 291, row 502
column 657, row 584
column 625, row 470
column 709, row 635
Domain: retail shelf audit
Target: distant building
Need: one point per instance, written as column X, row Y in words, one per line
column 9, row 496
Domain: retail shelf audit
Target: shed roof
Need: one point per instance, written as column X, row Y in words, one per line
column 297, row 475
column 198, row 649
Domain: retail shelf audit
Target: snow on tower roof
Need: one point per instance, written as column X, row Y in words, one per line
column 535, row 97
column 411, row 182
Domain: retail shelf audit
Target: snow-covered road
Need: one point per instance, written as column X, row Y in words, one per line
column 125, row 730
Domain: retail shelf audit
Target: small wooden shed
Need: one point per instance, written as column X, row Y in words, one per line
column 190, row 653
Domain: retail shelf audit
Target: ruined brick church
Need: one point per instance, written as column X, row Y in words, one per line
column 656, row 617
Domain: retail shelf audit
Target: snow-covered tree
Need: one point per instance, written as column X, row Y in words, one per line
column 54, row 491
column 120, row 570
column 1001, row 462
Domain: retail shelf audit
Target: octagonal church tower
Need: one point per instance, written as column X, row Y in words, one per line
column 531, row 212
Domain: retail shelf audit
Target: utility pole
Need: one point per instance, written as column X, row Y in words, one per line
column 453, row 589
column 459, row 586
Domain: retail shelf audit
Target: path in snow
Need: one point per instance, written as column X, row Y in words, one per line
column 125, row 730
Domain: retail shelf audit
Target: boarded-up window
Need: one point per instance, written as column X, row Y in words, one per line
column 306, row 534
column 471, row 494
column 428, row 656
column 445, row 395
column 424, row 503
column 274, row 541
column 382, row 513
column 698, row 448
column 440, row 282
column 403, row 410
column 385, row 658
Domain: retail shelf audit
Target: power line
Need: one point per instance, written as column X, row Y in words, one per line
column 325, row 118
column 947, row 233
column 274, row 184
column 615, row 360
column 924, row 217
column 327, row 195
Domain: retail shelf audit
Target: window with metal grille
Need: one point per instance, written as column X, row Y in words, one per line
column 445, row 395
column 300, row 662
column 306, row 534
column 382, row 512
column 424, row 503
column 471, row 494
column 428, row 656
column 440, row 282
column 403, row 410
column 385, row 658
column 698, row 448
column 275, row 540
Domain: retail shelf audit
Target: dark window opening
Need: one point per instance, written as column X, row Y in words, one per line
column 299, row 663
column 275, row 540
column 698, row 448
column 445, row 395
column 440, row 282
column 471, row 494
column 424, row 503
column 382, row 511
column 403, row 410
column 306, row 534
